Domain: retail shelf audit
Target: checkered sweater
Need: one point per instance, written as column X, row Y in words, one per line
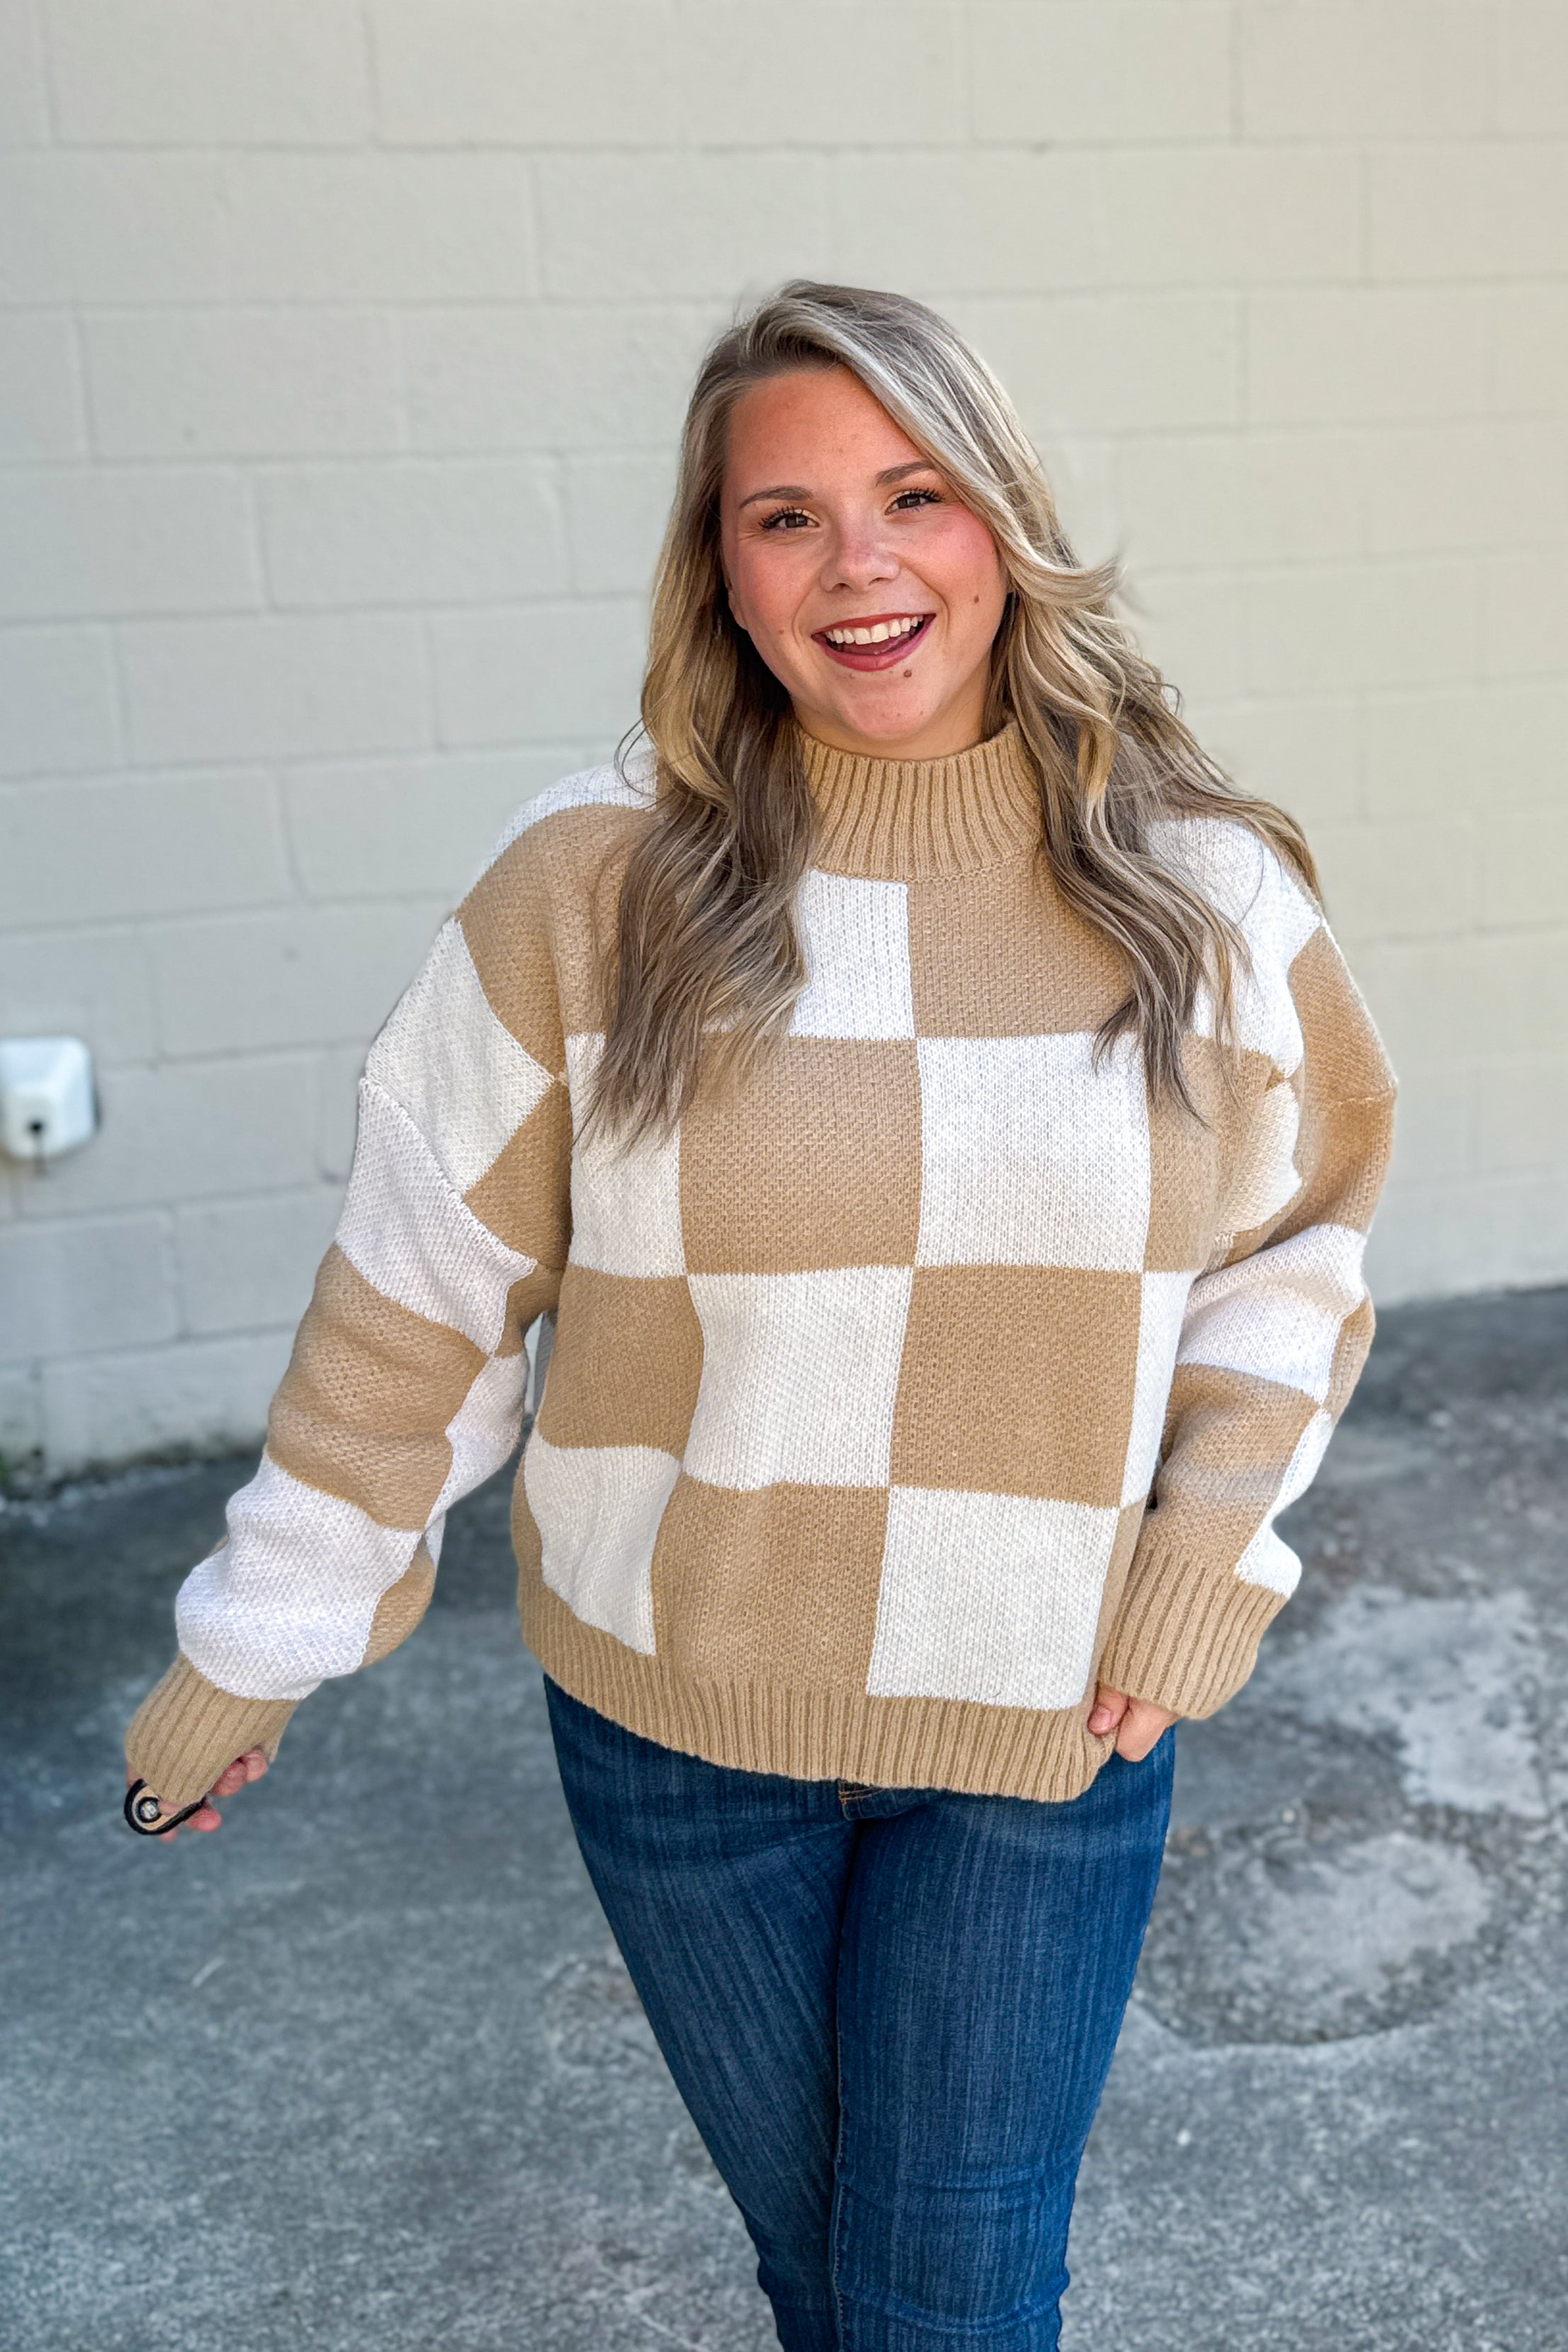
column 906, row 1390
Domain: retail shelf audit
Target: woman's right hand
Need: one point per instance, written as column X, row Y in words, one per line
column 244, row 1769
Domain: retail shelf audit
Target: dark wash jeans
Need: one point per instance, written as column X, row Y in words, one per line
column 891, row 2012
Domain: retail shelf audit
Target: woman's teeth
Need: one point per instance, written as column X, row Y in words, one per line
column 879, row 631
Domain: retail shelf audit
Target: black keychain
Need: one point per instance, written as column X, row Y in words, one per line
column 145, row 1815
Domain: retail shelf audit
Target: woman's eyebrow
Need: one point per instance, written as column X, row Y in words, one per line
column 779, row 491
column 797, row 490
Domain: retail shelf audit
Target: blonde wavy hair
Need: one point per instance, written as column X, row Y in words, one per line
column 707, row 962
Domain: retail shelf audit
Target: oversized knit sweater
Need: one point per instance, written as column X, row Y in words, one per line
column 915, row 1383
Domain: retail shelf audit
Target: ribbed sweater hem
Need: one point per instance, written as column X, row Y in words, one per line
column 1183, row 1637
column 809, row 1734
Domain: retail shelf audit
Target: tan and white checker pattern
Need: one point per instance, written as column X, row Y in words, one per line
column 907, row 1265
column 860, row 1380
column 406, row 1386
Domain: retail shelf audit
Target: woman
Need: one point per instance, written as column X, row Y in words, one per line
column 926, row 1104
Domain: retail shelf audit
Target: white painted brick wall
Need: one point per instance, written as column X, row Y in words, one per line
column 455, row 533
column 290, row 73
column 41, row 415
column 76, row 543
column 244, row 1264
column 273, row 686
column 306, row 975
column 239, row 383
column 343, row 348
column 24, row 92
column 394, row 828
column 505, row 73
column 59, row 701
column 1102, row 70
column 130, row 844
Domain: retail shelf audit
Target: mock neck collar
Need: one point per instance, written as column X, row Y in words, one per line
column 898, row 819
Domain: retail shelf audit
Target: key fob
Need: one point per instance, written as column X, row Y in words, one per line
column 145, row 1814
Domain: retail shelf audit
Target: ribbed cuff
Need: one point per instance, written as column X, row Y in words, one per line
column 186, row 1730
column 1186, row 1636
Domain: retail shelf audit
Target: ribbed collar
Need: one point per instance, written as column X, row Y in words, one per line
column 899, row 818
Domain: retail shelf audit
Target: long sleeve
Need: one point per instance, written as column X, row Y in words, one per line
column 1273, row 1337
column 406, row 1387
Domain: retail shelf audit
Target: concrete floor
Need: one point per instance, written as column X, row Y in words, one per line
column 363, row 2073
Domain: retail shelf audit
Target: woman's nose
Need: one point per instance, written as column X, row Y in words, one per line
column 859, row 557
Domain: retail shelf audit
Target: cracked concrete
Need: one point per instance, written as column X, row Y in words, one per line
column 365, row 2070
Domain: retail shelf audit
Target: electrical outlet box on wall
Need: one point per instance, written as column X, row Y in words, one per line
column 49, row 1104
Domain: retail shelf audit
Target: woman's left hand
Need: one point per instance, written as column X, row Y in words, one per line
column 1136, row 1722
column 246, row 1767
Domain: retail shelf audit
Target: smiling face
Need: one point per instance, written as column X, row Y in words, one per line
column 871, row 595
